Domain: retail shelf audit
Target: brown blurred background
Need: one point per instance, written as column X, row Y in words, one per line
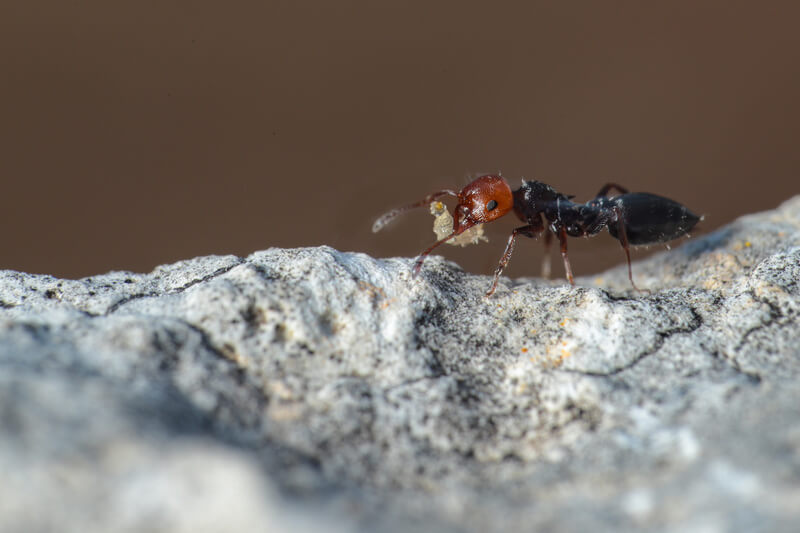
column 139, row 133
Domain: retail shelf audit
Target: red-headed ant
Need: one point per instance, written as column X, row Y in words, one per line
column 632, row 218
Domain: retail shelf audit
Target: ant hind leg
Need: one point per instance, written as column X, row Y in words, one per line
column 623, row 239
column 608, row 187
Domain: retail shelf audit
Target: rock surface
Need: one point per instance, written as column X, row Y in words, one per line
column 298, row 390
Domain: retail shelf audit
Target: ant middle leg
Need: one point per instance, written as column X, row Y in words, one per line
column 562, row 237
column 528, row 231
column 548, row 239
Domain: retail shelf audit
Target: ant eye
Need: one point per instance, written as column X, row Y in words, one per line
column 491, row 205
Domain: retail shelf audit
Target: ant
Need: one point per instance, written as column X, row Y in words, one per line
column 632, row 218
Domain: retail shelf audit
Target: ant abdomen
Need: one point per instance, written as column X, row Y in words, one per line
column 651, row 219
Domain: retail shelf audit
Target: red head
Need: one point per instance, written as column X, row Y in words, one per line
column 483, row 200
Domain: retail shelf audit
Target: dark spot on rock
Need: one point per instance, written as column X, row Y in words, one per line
column 280, row 333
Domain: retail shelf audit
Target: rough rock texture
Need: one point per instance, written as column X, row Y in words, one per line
column 298, row 390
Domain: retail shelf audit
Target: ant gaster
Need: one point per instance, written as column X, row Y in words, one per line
column 631, row 218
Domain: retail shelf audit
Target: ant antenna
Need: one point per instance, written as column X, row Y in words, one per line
column 385, row 218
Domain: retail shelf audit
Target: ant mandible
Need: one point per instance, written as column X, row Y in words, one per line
column 632, row 218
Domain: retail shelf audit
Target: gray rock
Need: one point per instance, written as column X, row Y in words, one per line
column 295, row 390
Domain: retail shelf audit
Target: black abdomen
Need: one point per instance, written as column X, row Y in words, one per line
column 651, row 219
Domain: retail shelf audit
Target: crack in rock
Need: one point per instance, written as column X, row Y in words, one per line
column 152, row 294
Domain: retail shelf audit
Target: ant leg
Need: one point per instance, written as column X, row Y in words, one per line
column 423, row 255
column 528, row 231
column 623, row 239
column 548, row 239
column 562, row 237
column 387, row 217
column 608, row 187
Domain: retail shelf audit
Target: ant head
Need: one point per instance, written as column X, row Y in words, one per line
column 484, row 200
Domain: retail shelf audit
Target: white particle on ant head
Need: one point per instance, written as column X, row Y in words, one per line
column 443, row 226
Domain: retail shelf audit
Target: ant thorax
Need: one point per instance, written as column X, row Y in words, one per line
column 535, row 197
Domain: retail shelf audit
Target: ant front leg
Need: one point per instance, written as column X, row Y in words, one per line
column 608, row 187
column 623, row 239
column 528, row 231
column 421, row 258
